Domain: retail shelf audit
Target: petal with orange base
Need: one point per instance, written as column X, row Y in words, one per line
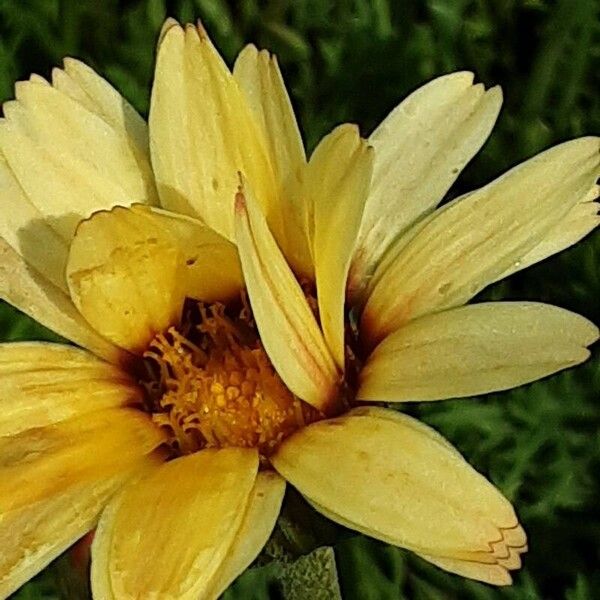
column 46, row 383
column 381, row 473
column 470, row 242
column 474, row 350
column 287, row 326
column 337, row 184
column 420, row 149
column 38, row 463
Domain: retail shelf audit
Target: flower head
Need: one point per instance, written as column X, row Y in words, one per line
column 241, row 308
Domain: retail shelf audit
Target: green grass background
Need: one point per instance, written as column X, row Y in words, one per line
column 353, row 60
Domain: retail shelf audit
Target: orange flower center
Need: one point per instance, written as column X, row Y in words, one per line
column 213, row 385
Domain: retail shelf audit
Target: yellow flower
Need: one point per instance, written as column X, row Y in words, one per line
column 240, row 307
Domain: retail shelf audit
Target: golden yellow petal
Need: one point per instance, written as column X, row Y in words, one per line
column 385, row 475
column 167, row 535
column 259, row 78
column 35, row 535
column 46, row 383
column 28, row 291
column 212, row 266
column 287, row 326
column 474, row 350
column 470, row 242
column 337, row 183
column 130, row 270
column 261, row 515
column 41, row 462
column 420, row 149
column 202, row 132
column 125, row 279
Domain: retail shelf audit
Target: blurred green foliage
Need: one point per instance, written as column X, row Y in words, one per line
column 353, row 60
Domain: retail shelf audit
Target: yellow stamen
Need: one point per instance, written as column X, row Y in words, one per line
column 216, row 387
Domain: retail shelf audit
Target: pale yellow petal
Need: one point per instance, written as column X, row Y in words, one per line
column 28, row 291
column 260, row 80
column 202, row 132
column 168, row 24
column 493, row 574
column 385, row 475
column 420, row 149
column 287, row 326
column 83, row 84
column 71, row 149
column 130, row 270
column 46, row 383
column 396, row 416
column 482, row 566
column 65, row 151
column 64, row 189
column 26, row 231
column 337, row 183
column 79, row 106
column 470, row 242
column 474, row 350
column 577, row 223
column 40, row 462
column 34, row 536
column 35, row 78
column 166, row 536
column 261, row 515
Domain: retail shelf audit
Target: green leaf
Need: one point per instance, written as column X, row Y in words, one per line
column 311, row 576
